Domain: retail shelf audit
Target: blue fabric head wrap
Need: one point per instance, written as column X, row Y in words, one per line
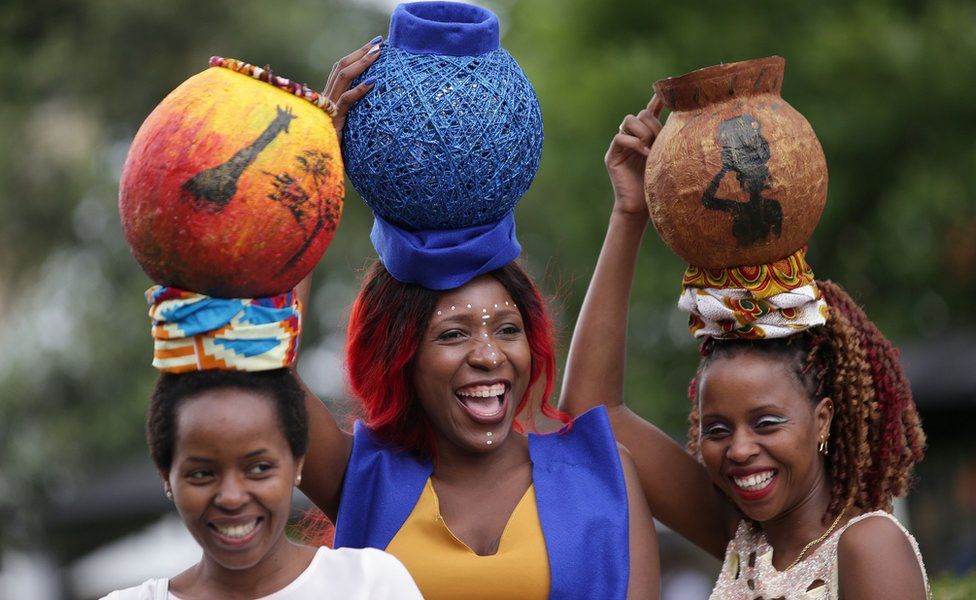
column 443, row 259
column 447, row 28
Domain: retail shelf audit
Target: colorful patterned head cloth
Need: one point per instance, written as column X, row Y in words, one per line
column 193, row 332
column 767, row 301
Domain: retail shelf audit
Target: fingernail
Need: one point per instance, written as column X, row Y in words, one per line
column 376, row 40
column 369, row 81
column 373, row 50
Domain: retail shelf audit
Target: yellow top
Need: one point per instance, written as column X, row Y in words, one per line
column 445, row 567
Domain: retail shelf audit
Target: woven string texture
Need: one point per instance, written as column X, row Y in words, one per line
column 444, row 142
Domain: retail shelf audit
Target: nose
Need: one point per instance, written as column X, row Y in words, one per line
column 485, row 354
column 742, row 447
column 231, row 493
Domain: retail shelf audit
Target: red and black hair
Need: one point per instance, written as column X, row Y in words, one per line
column 388, row 322
column 876, row 435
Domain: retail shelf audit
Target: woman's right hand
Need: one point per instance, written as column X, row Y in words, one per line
column 626, row 158
column 343, row 73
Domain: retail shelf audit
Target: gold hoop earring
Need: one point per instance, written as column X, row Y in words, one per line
column 822, row 447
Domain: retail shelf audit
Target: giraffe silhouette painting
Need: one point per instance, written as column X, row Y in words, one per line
column 745, row 152
column 213, row 189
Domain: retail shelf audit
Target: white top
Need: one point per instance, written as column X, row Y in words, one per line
column 346, row 573
column 748, row 570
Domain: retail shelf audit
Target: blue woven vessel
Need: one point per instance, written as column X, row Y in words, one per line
column 451, row 135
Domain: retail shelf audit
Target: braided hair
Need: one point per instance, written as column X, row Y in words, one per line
column 876, row 435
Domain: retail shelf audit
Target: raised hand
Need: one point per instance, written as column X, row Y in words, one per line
column 626, row 158
column 343, row 73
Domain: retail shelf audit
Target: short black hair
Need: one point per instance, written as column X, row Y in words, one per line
column 279, row 385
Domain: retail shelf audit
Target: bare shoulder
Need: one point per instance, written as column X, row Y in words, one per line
column 876, row 560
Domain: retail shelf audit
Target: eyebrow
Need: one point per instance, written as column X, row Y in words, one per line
column 201, row 459
column 471, row 314
column 752, row 411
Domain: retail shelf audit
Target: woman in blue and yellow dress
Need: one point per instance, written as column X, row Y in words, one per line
column 450, row 346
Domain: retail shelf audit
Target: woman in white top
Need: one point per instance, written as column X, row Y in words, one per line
column 229, row 446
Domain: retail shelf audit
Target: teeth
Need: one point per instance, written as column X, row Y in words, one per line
column 483, row 391
column 754, row 482
column 238, row 531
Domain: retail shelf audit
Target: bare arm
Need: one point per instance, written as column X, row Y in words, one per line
column 678, row 490
column 329, row 447
column 645, row 562
column 876, row 560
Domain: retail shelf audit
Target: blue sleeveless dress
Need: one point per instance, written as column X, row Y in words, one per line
column 580, row 493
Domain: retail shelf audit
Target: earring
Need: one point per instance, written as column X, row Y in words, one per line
column 298, row 479
column 822, row 447
column 169, row 492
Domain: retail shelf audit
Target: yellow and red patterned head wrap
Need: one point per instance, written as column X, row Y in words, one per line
column 766, row 301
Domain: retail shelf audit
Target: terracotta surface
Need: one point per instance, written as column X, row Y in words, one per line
column 737, row 176
column 232, row 187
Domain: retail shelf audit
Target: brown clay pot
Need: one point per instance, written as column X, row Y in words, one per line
column 736, row 176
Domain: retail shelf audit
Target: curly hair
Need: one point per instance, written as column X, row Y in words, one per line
column 876, row 435
column 386, row 325
column 172, row 389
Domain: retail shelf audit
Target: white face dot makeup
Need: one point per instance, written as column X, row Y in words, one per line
column 485, row 319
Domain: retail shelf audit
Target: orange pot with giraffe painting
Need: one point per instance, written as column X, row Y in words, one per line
column 737, row 176
column 233, row 185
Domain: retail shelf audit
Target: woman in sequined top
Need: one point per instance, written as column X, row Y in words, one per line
column 796, row 449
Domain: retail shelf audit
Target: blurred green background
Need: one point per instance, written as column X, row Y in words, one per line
column 888, row 87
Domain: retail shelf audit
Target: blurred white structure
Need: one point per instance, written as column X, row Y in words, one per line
column 163, row 549
column 27, row 576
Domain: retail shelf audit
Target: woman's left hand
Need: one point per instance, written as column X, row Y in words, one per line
column 627, row 156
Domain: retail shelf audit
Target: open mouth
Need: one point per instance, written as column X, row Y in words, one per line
column 484, row 403
column 755, row 485
column 236, row 534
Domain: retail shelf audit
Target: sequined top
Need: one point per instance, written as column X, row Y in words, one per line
column 748, row 572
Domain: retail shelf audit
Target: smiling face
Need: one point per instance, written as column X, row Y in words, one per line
column 232, row 475
column 473, row 365
column 759, row 434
